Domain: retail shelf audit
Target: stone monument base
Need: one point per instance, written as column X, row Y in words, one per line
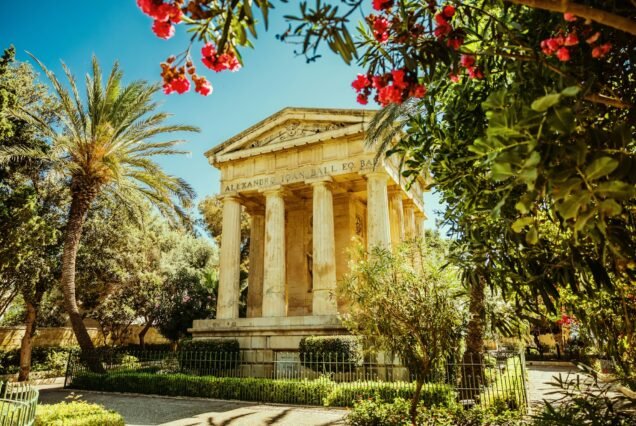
column 268, row 333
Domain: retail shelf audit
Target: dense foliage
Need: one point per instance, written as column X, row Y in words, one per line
column 328, row 354
column 406, row 303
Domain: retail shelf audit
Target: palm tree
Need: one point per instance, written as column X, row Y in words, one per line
column 103, row 145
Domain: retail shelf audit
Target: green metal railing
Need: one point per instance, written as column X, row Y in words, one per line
column 18, row 402
column 292, row 377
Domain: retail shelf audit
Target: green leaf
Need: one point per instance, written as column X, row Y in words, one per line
column 561, row 119
column 571, row 91
column 600, row 167
column 501, row 171
column 532, row 237
column 522, row 207
column 610, row 207
column 543, row 103
column 569, row 208
column 496, row 100
column 521, row 223
column 615, row 189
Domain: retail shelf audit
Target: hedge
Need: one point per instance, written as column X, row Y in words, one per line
column 208, row 356
column 76, row 413
column 308, row 392
column 43, row 358
column 329, row 354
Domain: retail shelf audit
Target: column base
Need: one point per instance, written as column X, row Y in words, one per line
column 274, row 333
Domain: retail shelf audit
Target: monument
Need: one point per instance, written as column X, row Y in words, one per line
column 308, row 182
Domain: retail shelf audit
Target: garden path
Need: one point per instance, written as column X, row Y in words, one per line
column 539, row 377
column 144, row 410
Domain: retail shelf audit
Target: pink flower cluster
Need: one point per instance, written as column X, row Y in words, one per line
column 380, row 26
column 164, row 15
column 175, row 78
column 468, row 62
column 218, row 63
column 382, row 4
column 562, row 45
column 394, row 87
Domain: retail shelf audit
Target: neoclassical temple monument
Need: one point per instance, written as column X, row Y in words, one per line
column 309, row 185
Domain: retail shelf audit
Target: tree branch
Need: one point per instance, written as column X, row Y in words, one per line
column 582, row 11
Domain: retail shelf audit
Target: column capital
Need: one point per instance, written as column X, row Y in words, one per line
column 376, row 174
column 229, row 196
column 323, row 180
column 273, row 191
column 408, row 203
column 421, row 215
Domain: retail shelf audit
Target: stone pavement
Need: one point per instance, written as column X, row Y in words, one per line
column 145, row 410
column 539, row 377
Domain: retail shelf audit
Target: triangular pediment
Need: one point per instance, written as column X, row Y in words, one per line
column 292, row 127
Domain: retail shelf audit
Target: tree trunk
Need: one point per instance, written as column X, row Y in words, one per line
column 472, row 377
column 25, row 347
column 416, row 399
column 142, row 334
column 83, row 195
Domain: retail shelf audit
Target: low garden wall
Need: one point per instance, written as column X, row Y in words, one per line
column 11, row 337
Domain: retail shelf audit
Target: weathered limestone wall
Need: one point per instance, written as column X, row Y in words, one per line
column 10, row 337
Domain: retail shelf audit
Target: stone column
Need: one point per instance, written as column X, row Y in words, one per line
column 274, row 268
column 378, row 231
column 255, row 277
column 324, row 251
column 409, row 220
column 419, row 224
column 396, row 215
column 230, row 258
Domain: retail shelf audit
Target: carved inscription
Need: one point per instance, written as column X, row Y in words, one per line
column 300, row 175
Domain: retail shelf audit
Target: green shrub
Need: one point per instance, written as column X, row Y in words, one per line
column 208, row 356
column 76, row 413
column 329, row 354
column 46, row 358
column 310, row 392
column 345, row 394
column 373, row 412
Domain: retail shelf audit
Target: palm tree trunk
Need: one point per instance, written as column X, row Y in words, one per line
column 26, row 345
column 83, row 195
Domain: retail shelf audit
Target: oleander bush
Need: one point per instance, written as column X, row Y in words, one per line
column 330, row 354
column 76, row 413
column 310, row 392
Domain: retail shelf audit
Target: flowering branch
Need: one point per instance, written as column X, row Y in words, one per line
column 587, row 12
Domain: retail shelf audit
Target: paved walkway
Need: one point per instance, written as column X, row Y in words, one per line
column 145, row 410
column 539, row 378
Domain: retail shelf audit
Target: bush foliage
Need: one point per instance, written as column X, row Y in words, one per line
column 327, row 354
column 51, row 359
column 309, row 392
column 76, row 413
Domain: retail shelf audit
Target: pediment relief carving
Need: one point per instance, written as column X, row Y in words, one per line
column 293, row 129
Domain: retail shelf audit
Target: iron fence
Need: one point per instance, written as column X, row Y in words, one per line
column 18, row 402
column 304, row 378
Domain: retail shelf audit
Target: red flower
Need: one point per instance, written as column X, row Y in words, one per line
column 602, row 50
column 362, row 99
column 418, row 91
column 553, row 44
column 389, row 94
column 453, row 77
column 563, row 54
column 455, row 42
column 440, row 19
column 398, row 79
column 179, row 84
column 378, row 81
column 361, row 82
column 149, row 7
column 475, row 72
column 593, row 38
column 467, row 61
column 218, row 63
column 442, row 30
column 571, row 40
column 170, row 12
column 163, row 29
column 382, row 4
column 448, row 11
column 380, row 28
column 202, row 85
column 570, row 17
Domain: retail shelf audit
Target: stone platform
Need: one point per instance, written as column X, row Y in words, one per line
column 268, row 333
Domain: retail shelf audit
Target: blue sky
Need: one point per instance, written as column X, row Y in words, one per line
column 271, row 79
